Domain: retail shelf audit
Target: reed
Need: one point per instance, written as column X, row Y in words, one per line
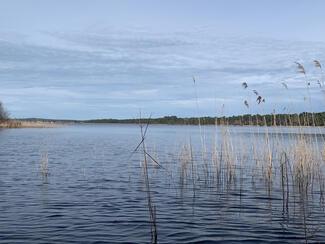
column 12, row 123
column 293, row 163
column 44, row 165
column 146, row 158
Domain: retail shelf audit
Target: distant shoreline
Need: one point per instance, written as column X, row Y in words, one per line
column 16, row 124
column 301, row 119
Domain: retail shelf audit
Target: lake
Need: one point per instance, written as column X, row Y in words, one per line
column 95, row 190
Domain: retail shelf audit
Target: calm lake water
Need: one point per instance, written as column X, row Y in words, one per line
column 95, row 191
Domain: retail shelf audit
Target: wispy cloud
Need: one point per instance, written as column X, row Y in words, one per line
column 80, row 74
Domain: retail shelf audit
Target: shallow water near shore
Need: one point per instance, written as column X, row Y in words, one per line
column 95, row 191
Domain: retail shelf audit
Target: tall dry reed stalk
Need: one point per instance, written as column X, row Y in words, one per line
column 44, row 165
column 292, row 161
column 146, row 158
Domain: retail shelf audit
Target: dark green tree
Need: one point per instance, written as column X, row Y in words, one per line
column 4, row 115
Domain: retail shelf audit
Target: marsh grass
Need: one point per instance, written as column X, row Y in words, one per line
column 291, row 162
column 302, row 159
column 44, row 165
column 11, row 123
column 146, row 158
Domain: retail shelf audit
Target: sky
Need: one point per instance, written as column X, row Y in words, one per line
column 90, row 59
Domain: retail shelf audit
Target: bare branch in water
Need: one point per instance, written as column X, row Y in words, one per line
column 154, row 160
column 144, row 134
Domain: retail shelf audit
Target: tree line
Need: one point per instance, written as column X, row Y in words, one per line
column 301, row 119
column 4, row 115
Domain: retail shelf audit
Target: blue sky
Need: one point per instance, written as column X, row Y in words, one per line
column 109, row 59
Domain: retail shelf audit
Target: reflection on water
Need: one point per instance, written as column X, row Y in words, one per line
column 231, row 188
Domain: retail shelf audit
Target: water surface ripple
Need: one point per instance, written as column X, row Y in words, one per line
column 95, row 193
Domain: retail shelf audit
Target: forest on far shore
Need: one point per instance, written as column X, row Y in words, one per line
column 302, row 119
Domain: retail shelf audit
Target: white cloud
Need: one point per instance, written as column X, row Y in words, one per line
column 153, row 71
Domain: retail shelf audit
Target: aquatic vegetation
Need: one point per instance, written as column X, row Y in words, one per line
column 146, row 158
column 291, row 163
column 44, row 165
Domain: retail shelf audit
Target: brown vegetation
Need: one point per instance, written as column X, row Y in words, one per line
column 28, row 124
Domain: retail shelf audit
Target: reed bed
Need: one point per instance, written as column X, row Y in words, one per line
column 28, row 124
column 290, row 162
column 287, row 166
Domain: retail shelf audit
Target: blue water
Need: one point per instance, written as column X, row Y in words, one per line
column 95, row 192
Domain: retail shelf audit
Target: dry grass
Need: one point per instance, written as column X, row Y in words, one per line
column 44, row 165
column 146, row 158
column 28, row 124
column 299, row 163
column 294, row 163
